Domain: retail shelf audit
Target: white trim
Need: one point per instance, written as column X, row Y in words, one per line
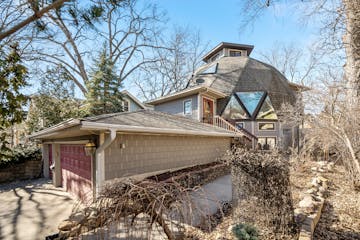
column 100, row 159
column 186, row 100
column 266, row 130
column 70, row 142
column 198, row 107
column 63, row 125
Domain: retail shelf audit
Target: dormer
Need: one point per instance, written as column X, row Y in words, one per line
column 226, row 49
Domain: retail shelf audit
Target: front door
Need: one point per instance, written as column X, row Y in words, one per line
column 208, row 110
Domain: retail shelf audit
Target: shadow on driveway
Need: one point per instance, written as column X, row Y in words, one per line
column 32, row 209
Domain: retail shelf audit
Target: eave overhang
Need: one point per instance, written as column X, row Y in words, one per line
column 185, row 93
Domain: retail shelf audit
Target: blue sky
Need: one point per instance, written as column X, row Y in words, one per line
column 220, row 21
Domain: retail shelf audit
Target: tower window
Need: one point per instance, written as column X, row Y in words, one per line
column 235, row 53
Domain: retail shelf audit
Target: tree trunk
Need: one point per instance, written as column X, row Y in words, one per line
column 351, row 41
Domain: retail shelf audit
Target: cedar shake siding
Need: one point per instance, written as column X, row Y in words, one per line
column 152, row 153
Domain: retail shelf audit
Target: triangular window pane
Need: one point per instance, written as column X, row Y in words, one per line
column 250, row 100
column 233, row 110
column 267, row 110
column 211, row 69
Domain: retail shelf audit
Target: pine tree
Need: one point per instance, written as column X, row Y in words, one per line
column 103, row 89
column 12, row 81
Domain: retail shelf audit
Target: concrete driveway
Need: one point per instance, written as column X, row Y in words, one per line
column 32, row 209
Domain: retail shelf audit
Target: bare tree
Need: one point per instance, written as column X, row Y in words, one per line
column 15, row 15
column 178, row 59
column 298, row 65
column 340, row 30
column 71, row 37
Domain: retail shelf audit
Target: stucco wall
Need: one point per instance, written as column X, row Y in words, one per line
column 177, row 106
column 150, row 153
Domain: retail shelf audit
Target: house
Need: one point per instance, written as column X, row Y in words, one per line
column 232, row 88
column 131, row 103
column 231, row 98
column 84, row 153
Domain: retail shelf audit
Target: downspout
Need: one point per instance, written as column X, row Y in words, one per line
column 100, row 160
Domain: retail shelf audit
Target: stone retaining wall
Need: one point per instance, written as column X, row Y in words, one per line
column 310, row 207
column 21, row 171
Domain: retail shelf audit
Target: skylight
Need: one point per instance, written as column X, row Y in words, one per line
column 211, row 69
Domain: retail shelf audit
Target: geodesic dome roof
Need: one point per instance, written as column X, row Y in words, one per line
column 244, row 74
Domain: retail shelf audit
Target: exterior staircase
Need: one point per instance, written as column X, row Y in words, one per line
column 220, row 122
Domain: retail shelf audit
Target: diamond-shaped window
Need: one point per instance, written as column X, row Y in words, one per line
column 250, row 100
column 267, row 110
column 233, row 110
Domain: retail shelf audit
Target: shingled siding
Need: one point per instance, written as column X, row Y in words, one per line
column 177, row 106
column 151, row 153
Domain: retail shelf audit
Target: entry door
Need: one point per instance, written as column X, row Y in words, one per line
column 208, row 110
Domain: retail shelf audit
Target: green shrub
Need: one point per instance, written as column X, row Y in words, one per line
column 21, row 154
column 245, row 232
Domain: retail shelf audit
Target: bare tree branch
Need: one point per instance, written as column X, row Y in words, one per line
column 37, row 15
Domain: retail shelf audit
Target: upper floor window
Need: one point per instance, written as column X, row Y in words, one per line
column 266, row 126
column 125, row 106
column 188, row 107
column 234, row 53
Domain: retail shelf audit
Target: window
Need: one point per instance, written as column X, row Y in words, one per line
column 266, row 143
column 215, row 57
column 250, row 100
column 267, row 110
column 233, row 110
column 125, row 105
column 266, row 126
column 211, row 69
column 188, row 107
column 234, row 53
column 239, row 125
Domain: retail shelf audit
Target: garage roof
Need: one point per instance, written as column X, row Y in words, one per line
column 142, row 121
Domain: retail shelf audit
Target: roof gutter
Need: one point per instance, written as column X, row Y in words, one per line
column 67, row 124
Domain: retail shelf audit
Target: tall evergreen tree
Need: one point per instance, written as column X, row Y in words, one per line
column 104, row 88
column 12, row 80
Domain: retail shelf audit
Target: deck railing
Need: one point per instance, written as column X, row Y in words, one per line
column 220, row 122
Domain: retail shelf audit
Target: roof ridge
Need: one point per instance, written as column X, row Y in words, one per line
column 103, row 116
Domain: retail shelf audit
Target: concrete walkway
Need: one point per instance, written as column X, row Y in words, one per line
column 205, row 201
column 32, row 209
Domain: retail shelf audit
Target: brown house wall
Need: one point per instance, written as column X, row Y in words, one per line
column 151, row 153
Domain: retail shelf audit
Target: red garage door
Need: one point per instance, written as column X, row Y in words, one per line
column 76, row 171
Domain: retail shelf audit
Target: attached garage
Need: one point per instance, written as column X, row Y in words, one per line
column 76, row 170
column 127, row 144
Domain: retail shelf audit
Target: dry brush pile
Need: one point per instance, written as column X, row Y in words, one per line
column 159, row 207
column 261, row 191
